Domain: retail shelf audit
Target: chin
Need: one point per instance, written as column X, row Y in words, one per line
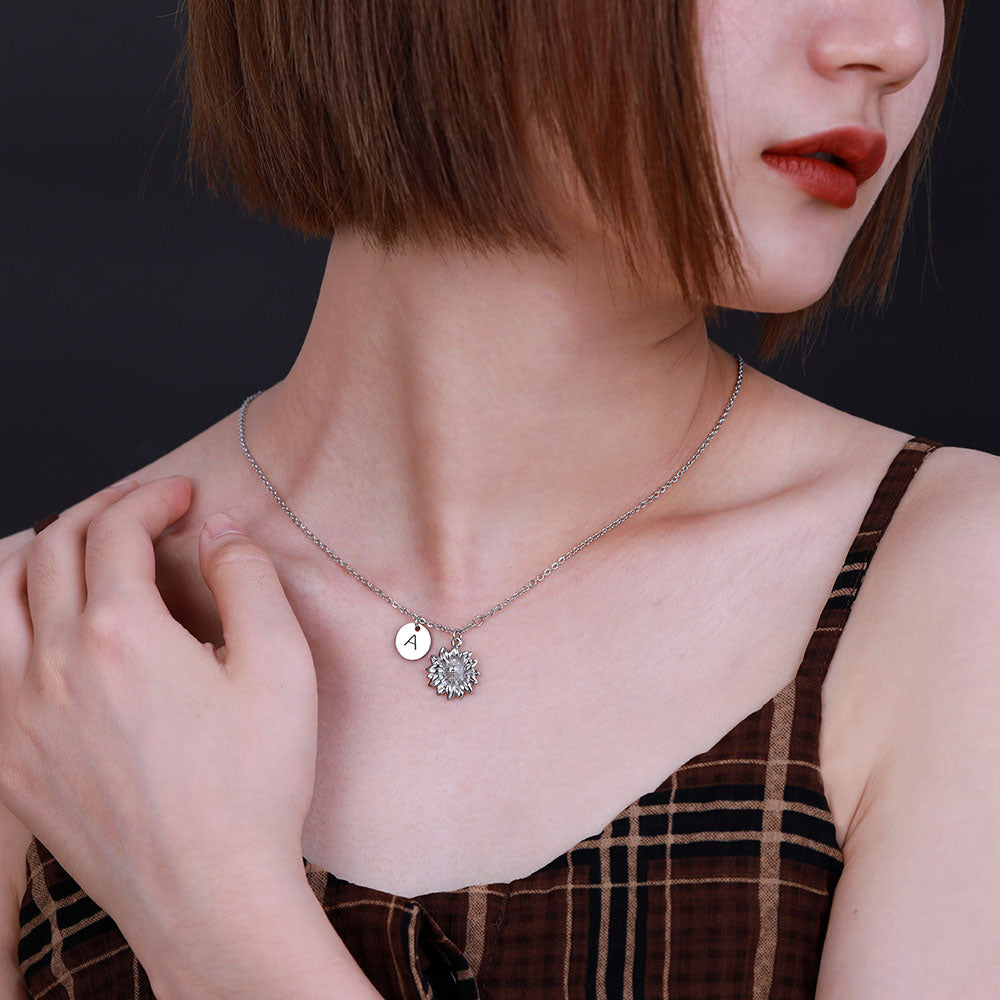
column 786, row 282
column 776, row 300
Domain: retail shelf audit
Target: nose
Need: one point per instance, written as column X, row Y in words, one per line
column 888, row 40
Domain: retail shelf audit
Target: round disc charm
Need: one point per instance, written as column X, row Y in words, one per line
column 453, row 672
column 413, row 641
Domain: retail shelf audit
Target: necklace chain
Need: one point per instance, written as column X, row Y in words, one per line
column 482, row 618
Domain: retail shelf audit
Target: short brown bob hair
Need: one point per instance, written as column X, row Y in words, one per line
column 407, row 119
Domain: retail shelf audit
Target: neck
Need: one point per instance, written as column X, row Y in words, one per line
column 454, row 423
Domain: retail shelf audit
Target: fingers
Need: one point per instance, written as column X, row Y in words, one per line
column 54, row 581
column 119, row 551
column 258, row 623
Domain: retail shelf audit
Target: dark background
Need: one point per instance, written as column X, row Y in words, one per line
column 135, row 315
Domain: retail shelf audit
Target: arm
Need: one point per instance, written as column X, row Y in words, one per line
column 917, row 912
column 277, row 944
column 134, row 751
column 238, row 948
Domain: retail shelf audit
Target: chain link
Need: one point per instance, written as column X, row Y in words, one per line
column 483, row 617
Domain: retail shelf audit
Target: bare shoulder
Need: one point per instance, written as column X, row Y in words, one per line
column 938, row 591
column 915, row 699
column 933, row 585
column 924, row 625
column 955, row 495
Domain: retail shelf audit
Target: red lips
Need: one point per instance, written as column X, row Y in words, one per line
column 857, row 155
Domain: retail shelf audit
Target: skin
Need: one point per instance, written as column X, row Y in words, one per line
column 91, row 612
column 512, row 402
column 835, row 64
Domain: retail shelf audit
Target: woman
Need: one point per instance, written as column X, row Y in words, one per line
column 508, row 351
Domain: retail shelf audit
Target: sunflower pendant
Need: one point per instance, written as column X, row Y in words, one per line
column 452, row 672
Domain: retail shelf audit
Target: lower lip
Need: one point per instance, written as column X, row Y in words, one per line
column 822, row 180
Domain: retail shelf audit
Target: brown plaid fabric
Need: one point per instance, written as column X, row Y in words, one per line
column 716, row 884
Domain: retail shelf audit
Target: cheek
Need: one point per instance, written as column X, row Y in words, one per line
column 736, row 43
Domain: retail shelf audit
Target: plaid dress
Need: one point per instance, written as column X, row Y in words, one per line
column 717, row 884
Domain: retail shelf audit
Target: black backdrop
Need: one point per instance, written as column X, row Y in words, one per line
column 135, row 314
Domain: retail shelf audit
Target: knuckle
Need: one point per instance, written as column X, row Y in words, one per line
column 158, row 493
column 104, row 627
column 157, row 500
column 109, row 517
column 49, row 662
column 102, row 526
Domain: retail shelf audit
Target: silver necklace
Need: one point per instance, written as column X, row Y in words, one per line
column 453, row 671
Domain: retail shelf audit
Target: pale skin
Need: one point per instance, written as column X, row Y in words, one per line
column 452, row 424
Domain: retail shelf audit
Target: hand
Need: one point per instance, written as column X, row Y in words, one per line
column 154, row 767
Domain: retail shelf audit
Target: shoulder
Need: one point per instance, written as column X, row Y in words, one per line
column 936, row 588
column 921, row 650
column 935, row 578
column 937, row 591
column 954, row 499
column 918, row 698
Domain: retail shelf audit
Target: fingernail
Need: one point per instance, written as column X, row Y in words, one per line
column 222, row 524
column 123, row 483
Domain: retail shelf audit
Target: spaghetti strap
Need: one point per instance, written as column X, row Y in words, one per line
column 833, row 618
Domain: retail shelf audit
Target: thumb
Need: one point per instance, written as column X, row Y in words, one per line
column 258, row 625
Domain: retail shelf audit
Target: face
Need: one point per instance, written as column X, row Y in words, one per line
column 849, row 77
